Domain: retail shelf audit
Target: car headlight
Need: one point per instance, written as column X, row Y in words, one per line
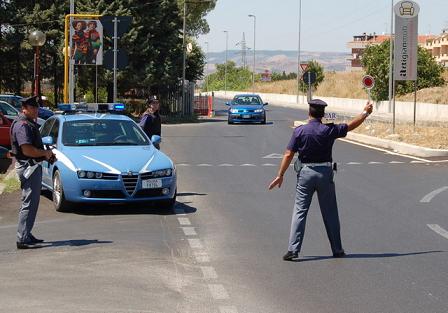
column 162, row 173
column 90, row 175
column 233, row 110
column 258, row 110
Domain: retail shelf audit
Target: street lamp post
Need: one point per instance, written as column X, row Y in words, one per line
column 206, row 68
column 37, row 39
column 298, row 54
column 184, row 53
column 225, row 64
column 253, row 73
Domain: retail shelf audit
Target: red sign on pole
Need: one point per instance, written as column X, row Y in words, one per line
column 304, row 66
column 368, row 82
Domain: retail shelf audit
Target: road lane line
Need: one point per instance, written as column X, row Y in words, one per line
column 226, row 164
column 268, row 164
column 442, row 232
column 432, row 194
column 373, row 162
column 201, row 257
column 209, row 272
column 396, row 162
column 353, row 163
column 183, row 164
column 218, row 291
column 184, row 221
column 195, row 243
column 228, row 309
column 189, row 231
column 204, row 164
column 247, row 164
column 417, row 162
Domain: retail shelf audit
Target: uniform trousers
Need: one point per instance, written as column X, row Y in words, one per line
column 309, row 180
column 31, row 188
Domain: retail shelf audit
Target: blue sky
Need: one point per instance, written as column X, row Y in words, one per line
column 327, row 25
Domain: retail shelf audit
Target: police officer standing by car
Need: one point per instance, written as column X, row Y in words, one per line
column 151, row 122
column 27, row 147
column 314, row 142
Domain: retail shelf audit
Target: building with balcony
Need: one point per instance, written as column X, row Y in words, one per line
column 438, row 47
column 361, row 42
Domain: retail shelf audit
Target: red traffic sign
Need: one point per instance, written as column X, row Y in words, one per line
column 304, row 66
column 368, row 82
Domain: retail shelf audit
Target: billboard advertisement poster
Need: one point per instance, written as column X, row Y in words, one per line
column 87, row 42
column 406, row 40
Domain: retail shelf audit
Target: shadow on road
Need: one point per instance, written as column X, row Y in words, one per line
column 187, row 194
column 73, row 243
column 365, row 255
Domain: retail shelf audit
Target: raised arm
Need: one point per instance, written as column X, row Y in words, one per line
column 361, row 117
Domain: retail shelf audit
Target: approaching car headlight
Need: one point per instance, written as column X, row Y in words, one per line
column 90, row 175
column 258, row 110
column 233, row 110
column 162, row 173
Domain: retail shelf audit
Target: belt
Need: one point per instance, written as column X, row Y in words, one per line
column 329, row 164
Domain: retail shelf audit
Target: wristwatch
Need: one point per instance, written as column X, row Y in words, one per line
column 365, row 113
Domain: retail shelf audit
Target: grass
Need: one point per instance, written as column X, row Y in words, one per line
column 11, row 184
column 348, row 85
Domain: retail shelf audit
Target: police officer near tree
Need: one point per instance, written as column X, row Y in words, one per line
column 314, row 142
column 27, row 147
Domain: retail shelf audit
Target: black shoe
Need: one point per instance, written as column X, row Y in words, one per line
column 26, row 245
column 34, row 240
column 289, row 256
column 339, row 254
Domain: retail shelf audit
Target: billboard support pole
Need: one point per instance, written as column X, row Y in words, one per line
column 115, row 58
column 415, row 103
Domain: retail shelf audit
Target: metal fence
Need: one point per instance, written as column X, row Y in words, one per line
column 172, row 102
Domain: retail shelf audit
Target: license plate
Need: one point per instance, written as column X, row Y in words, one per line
column 151, row 183
column 246, row 116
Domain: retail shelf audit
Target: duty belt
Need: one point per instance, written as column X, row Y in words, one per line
column 329, row 164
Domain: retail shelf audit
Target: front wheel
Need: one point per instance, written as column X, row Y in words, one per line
column 59, row 201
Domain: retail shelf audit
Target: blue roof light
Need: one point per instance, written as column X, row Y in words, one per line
column 119, row 107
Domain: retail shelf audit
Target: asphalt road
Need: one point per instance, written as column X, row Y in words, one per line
column 221, row 249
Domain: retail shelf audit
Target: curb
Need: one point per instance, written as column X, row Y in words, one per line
column 400, row 147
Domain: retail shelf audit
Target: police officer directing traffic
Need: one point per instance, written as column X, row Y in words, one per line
column 27, row 147
column 151, row 122
column 314, row 142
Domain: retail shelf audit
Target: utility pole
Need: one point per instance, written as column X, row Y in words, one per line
column 253, row 74
column 71, row 68
column 184, row 57
column 225, row 64
column 298, row 54
column 206, row 68
column 391, row 57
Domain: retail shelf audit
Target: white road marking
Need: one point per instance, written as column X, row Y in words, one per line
column 415, row 161
column 189, row 231
column 353, row 163
column 183, row 164
column 228, row 309
column 201, row 257
column 184, row 221
column 432, row 194
column 376, row 162
column 209, row 272
column 268, row 164
column 442, row 232
column 246, row 164
column 204, row 164
column 225, row 164
column 195, row 243
column 273, row 156
column 218, row 291
column 396, row 162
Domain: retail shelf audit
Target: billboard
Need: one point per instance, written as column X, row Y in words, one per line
column 406, row 40
column 86, row 42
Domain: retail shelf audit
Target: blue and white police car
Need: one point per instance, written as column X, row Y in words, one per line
column 246, row 108
column 104, row 157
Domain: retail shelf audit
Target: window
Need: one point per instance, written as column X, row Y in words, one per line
column 54, row 132
column 45, row 130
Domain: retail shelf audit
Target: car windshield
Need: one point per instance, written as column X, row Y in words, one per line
column 247, row 100
column 103, row 133
column 6, row 109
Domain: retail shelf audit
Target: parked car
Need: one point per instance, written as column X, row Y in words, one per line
column 5, row 125
column 14, row 100
column 105, row 158
column 246, row 108
column 11, row 112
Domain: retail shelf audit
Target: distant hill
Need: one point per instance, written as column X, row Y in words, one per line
column 279, row 61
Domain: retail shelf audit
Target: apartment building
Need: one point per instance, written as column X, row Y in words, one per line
column 360, row 43
column 438, row 47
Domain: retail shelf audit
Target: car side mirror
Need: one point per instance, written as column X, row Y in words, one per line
column 265, row 103
column 48, row 141
column 156, row 140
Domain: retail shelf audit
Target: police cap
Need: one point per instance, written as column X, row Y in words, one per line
column 317, row 103
column 33, row 101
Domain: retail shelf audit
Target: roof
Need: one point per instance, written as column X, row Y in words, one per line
column 247, row 95
column 94, row 116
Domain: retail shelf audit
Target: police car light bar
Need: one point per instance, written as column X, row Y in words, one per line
column 91, row 107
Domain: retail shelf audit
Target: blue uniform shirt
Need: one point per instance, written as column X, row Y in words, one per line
column 24, row 131
column 314, row 141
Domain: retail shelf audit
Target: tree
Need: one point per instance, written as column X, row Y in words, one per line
column 238, row 78
column 375, row 61
column 313, row 66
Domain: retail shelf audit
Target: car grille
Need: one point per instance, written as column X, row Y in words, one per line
column 107, row 194
column 149, row 193
column 148, row 175
column 130, row 182
column 108, row 176
column 246, row 111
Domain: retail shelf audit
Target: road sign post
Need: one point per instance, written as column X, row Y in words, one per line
column 368, row 83
column 309, row 78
